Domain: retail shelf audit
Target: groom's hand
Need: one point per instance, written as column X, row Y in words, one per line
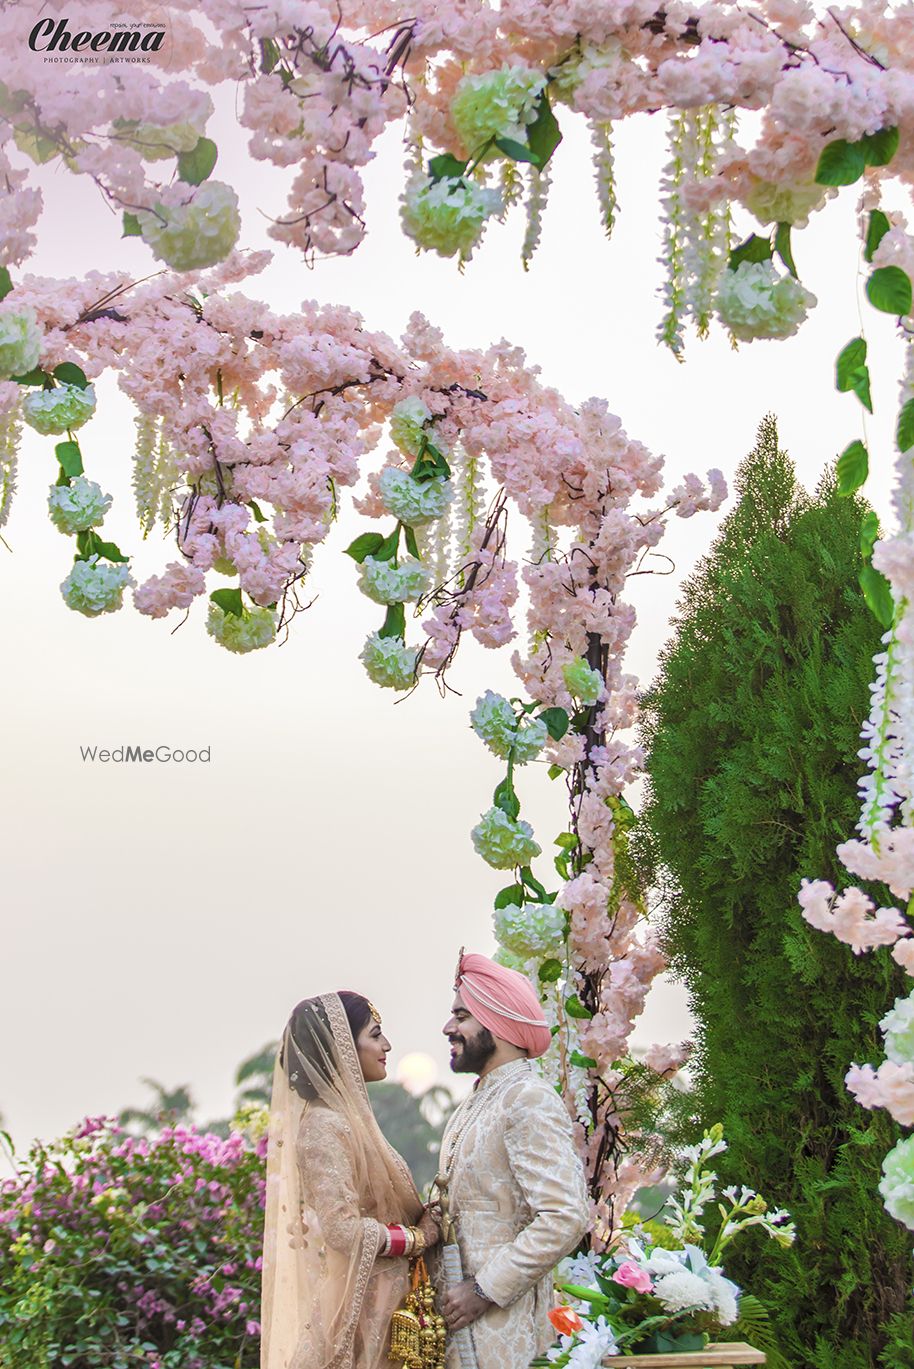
column 462, row 1305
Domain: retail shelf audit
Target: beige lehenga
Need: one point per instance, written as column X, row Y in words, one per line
column 333, row 1184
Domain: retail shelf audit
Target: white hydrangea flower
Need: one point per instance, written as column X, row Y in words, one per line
column 589, row 57
column 755, row 301
column 389, row 662
column 61, row 410
column 495, row 723
column 897, row 1182
column 79, row 506
column 414, row 502
column 20, row 343
column 157, row 142
column 496, row 104
column 198, row 233
column 249, row 631
column 530, row 929
column 447, row 216
column 407, row 424
column 504, row 842
column 772, row 202
column 95, row 587
column 898, row 1029
column 582, row 683
column 386, row 583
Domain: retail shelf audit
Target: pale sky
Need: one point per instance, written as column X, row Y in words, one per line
column 163, row 920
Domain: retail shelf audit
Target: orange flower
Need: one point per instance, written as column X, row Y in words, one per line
column 565, row 1320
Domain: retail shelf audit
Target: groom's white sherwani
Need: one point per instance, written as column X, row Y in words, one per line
column 519, row 1199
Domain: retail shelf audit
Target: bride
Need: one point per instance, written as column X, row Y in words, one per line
column 342, row 1210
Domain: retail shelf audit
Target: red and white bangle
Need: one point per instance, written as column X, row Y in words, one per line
column 396, row 1241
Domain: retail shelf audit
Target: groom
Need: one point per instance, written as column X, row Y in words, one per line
column 515, row 1181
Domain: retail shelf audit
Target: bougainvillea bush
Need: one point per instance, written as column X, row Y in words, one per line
column 120, row 1251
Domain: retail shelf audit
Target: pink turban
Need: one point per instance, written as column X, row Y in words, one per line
column 503, row 1001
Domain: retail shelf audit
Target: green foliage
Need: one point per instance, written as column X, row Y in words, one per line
column 752, row 729
column 196, row 165
column 889, row 289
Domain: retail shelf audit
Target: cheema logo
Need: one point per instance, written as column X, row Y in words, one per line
column 46, row 37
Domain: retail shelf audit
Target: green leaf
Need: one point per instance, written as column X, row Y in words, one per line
column 878, row 595
column 429, row 463
column 394, row 622
column 869, row 532
column 583, row 1062
column 904, row 429
column 876, row 229
column 530, row 880
column 229, row 600
column 388, row 547
column 889, row 289
column 879, row 148
column 132, row 227
column 550, row 971
column 753, row 249
column 841, row 163
column 68, row 373
column 511, row 894
column 365, row 545
column 109, row 550
column 34, row 377
column 506, row 799
column 853, row 467
column 259, row 515
column 556, row 720
column 850, row 359
column 544, row 134
column 575, row 1008
column 554, row 771
column 783, row 249
column 852, row 373
column 70, row 458
column 412, row 546
column 445, row 166
column 194, row 166
column 269, row 55
column 516, row 151
column 6, row 283
column 583, row 1294
column 567, row 840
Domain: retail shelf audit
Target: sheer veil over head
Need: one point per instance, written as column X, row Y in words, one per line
column 332, row 1184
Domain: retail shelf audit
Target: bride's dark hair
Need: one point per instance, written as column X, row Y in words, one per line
column 358, row 1015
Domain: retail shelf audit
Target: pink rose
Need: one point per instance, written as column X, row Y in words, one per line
column 630, row 1276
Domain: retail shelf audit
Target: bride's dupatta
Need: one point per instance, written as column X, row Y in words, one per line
column 333, row 1183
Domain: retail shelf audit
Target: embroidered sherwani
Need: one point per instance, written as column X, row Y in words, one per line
column 519, row 1200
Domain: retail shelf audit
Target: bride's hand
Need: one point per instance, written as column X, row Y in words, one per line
column 430, row 1229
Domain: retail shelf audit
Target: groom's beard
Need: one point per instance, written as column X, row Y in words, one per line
column 469, row 1056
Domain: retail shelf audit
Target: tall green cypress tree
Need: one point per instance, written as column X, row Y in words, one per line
column 752, row 730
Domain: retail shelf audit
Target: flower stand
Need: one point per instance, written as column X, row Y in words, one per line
column 711, row 1357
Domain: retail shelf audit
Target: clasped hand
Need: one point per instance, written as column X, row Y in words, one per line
column 429, row 1225
column 462, row 1305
